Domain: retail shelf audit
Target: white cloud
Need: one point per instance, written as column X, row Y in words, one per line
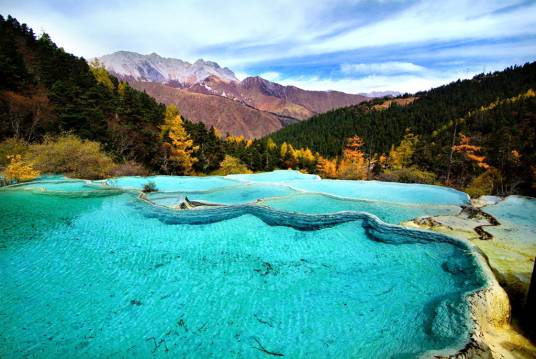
column 255, row 30
column 410, row 83
column 181, row 29
column 244, row 35
column 270, row 75
column 435, row 21
column 241, row 75
column 392, row 67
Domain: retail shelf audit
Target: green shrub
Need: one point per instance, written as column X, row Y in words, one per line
column 408, row 175
column 231, row 165
column 67, row 154
column 484, row 184
column 149, row 187
column 11, row 147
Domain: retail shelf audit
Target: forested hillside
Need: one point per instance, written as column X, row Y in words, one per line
column 46, row 91
column 59, row 114
column 496, row 112
column 327, row 132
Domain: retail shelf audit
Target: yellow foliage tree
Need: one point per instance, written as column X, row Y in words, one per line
column 353, row 164
column 11, row 146
column 283, row 150
column 231, row 165
column 217, row 132
column 484, row 184
column 101, row 75
column 235, row 139
column 19, row 170
column 288, row 155
column 326, row 168
column 382, row 160
column 270, row 144
column 121, row 88
column 305, row 157
column 178, row 146
column 400, row 157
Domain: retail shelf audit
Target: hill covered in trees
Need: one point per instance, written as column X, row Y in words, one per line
column 46, row 91
column 60, row 114
column 495, row 113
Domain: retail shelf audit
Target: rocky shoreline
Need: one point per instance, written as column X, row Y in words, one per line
column 493, row 336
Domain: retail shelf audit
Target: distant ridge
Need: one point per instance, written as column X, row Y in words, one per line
column 154, row 68
column 375, row 94
column 276, row 105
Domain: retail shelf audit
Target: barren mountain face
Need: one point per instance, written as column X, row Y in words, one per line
column 253, row 107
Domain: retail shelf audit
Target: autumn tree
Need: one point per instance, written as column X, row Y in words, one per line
column 231, row 165
column 471, row 152
column 353, row 165
column 18, row 170
column 11, row 146
column 289, row 156
column 101, row 75
column 401, row 156
column 470, row 159
column 271, row 155
column 177, row 144
column 306, row 159
column 70, row 155
column 326, row 168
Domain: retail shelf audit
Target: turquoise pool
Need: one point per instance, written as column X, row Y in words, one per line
column 276, row 271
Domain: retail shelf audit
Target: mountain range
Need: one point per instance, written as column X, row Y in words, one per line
column 205, row 92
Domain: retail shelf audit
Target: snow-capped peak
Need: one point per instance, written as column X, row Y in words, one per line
column 156, row 68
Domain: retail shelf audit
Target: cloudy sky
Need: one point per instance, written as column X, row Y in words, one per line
column 353, row 46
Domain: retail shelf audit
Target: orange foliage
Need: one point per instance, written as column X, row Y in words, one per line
column 353, row 164
column 470, row 151
column 19, row 170
column 326, row 168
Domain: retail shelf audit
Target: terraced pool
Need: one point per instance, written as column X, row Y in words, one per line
column 285, row 265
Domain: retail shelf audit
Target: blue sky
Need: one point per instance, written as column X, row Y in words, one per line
column 352, row 46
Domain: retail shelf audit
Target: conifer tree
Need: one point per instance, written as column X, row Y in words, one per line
column 101, row 75
column 326, row 168
column 178, row 146
column 353, row 164
column 401, row 156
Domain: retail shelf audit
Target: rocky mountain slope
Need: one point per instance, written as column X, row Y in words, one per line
column 155, row 68
column 283, row 100
column 223, row 113
column 273, row 104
